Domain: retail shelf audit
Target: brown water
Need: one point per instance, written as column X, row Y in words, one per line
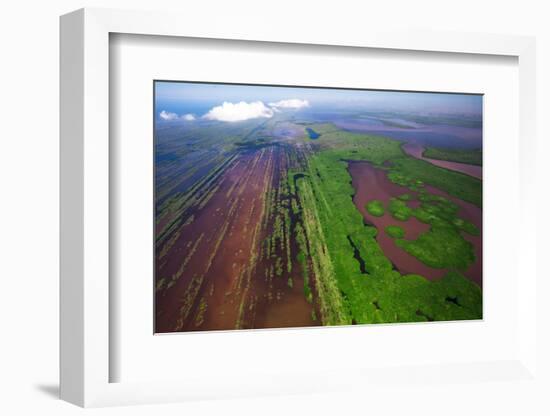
column 372, row 183
column 226, row 270
column 415, row 150
column 216, row 221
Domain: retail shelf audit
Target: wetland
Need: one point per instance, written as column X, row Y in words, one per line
column 271, row 213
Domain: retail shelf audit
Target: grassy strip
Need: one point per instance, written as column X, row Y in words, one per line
column 457, row 184
column 330, row 300
column 470, row 157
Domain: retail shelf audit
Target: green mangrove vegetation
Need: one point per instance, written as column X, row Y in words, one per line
column 342, row 249
column 414, row 173
column 470, row 156
column 395, row 231
column 441, row 247
column 399, row 209
column 375, row 208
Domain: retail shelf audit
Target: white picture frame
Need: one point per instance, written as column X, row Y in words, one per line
column 85, row 216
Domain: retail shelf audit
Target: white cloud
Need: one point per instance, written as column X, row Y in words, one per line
column 165, row 115
column 293, row 103
column 239, row 111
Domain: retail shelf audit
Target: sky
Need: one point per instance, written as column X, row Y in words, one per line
column 230, row 102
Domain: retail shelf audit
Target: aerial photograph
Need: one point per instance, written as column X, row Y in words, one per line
column 282, row 206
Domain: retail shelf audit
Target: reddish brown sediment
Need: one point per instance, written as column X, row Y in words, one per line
column 415, row 150
column 216, row 254
column 217, row 259
column 372, row 183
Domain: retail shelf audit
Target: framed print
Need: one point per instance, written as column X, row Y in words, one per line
column 316, row 214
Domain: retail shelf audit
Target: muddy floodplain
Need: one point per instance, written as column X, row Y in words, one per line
column 228, row 260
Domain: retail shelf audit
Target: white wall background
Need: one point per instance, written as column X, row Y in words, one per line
column 29, row 185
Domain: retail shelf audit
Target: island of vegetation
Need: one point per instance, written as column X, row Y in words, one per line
column 395, row 231
column 375, row 208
